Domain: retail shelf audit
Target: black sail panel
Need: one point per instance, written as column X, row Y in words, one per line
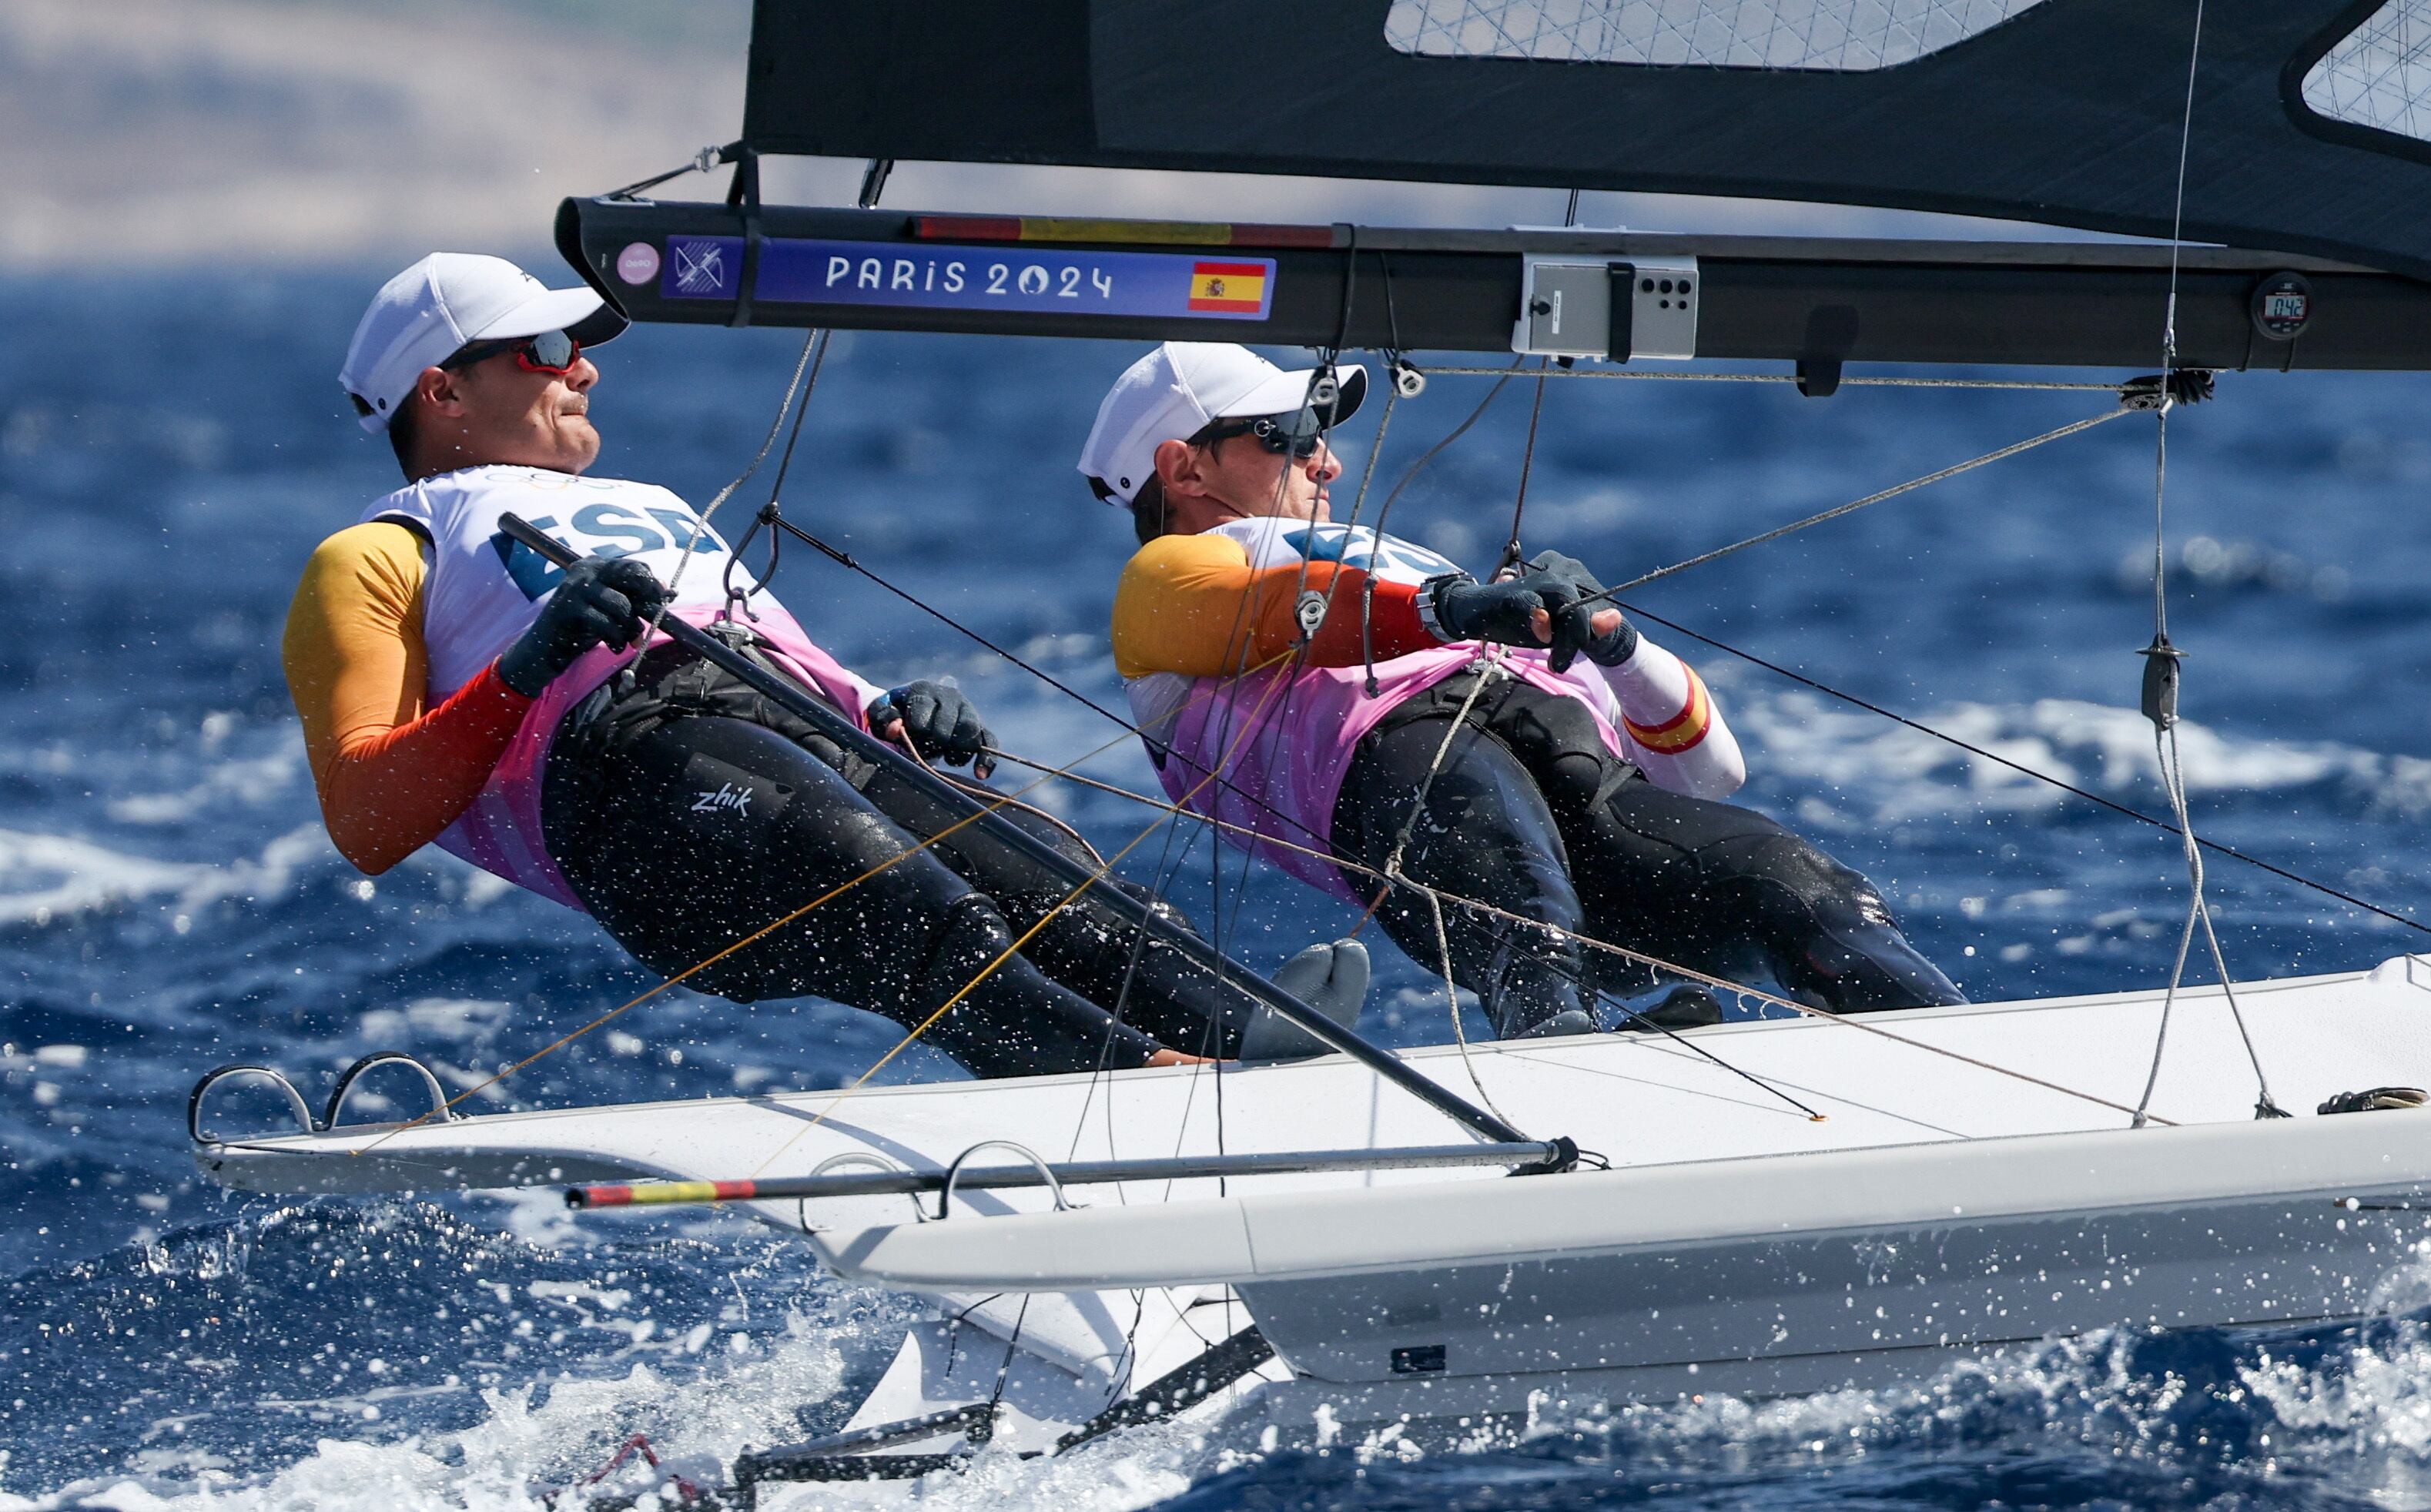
column 2068, row 111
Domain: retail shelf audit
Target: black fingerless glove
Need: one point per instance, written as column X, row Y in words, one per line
column 1457, row 607
column 598, row 599
column 1573, row 628
column 938, row 722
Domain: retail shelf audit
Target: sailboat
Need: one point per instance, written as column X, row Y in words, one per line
column 1473, row 1237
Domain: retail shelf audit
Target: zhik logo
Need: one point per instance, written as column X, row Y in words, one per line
column 726, row 796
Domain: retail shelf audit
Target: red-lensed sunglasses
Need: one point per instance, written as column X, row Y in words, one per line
column 551, row 352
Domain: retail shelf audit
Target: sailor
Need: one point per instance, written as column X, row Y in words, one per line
column 1570, row 767
column 456, row 688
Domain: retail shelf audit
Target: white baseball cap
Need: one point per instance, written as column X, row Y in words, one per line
column 448, row 300
column 1171, row 394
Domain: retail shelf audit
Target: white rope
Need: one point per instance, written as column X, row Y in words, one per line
column 1452, row 998
column 2165, row 732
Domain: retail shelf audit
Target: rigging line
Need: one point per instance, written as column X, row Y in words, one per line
column 1527, row 467
column 700, row 162
column 964, row 991
column 1653, row 376
column 1166, row 869
column 839, row 889
column 2161, row 665
column 1853, row 505
column 1691, row 973
column 1367, row 579
column 1511, row 549
column 814, row 357
column 1451, row 1001
column 2022, row 769
column 813, row 344
column 847, row 559
column 1327, row 372
column 1384, row 510
column 1455, row 899
column 1171, row 809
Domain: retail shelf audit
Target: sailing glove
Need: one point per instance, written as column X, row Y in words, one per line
column 1575, row 629
column 1457, row 607
column 599, row 599
column 937, row 721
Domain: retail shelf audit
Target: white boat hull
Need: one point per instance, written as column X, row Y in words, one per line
column 1945, row 1207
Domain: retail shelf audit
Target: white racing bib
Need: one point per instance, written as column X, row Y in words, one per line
column 484, row 590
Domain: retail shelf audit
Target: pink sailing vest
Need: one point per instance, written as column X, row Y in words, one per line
column 1283, row 740
column 483, row 590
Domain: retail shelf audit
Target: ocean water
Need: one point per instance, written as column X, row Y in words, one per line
column 170, row 450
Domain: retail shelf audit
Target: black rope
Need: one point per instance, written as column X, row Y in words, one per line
column 1384, row 510
column 1511, row 550
column 1943, row 736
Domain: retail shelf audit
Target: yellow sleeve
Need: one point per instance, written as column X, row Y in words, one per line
column 355, row 665
column 392, row 772
column 1182, row 605
column 1192, row 604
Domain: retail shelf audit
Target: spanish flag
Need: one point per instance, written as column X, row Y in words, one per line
column 1681, row 731
column 1227, row 287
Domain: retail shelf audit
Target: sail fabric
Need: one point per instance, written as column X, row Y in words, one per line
column 2066, row 111
column 1849, row 36
column 2379, row 75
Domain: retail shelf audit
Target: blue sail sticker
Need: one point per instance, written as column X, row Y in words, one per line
column 1016, row 277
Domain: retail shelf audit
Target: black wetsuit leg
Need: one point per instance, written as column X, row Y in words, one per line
column 675, row 874
column 1707, row 885
column 1084, row 945
column 1486, row 834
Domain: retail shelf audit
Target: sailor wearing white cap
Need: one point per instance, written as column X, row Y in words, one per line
column 454, row 688
column 1313, row 672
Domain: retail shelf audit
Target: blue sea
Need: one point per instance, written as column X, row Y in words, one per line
column 170, row 448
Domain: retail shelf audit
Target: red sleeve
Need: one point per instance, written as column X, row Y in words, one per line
column 387, row 795
column 1395, row 617
column 1192, row 604
column 391, row 773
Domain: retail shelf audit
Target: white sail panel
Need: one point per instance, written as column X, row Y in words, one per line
column 2379, row 75
column 1841, row 36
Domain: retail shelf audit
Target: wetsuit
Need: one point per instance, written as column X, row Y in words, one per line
column 1585, row 800
column 674, row 804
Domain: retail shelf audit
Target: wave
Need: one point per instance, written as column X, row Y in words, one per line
column 1904, row 774
column 2337, row 1416
column 48, row 878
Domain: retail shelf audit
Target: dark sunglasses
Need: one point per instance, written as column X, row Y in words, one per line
column 550, row 351
column 1298, row 433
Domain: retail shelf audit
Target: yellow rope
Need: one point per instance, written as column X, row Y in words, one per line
column 1049, row 774
column 1590, row 942
column 757, row 935
column 1168, row 809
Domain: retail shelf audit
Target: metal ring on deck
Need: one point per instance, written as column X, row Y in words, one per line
column 219, row 1073
column 849, row 1158
column 954, row 1171
column 347, row 1078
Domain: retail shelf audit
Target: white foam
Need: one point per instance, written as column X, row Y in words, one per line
column 533, row 1439
column 250, row 781
column 1901, row 773
column 47, row 878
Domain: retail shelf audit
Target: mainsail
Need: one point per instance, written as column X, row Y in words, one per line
column 2302, row 125
column 2307, row 134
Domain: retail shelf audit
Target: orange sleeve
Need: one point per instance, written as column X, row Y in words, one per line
column 391, row 774
column 1191, row 605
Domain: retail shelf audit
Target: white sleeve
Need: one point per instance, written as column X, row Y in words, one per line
column 1673, row 729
